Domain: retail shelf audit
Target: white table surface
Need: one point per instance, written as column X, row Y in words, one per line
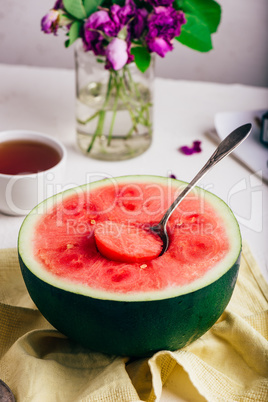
column 43, row 100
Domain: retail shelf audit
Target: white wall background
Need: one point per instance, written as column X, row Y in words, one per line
column 240, row 53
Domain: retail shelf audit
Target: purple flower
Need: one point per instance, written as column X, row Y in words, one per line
column 115, row 16
column 157, row 3
column 132, row 17
column 50, row 22
column 130, row 56
column 116, row 54
column 138, row 23
column 164, row 23
column 160, row 46
column 58, row 4
column 125, row 13
column 105, row 24
column 93, row 38
column 196, row 148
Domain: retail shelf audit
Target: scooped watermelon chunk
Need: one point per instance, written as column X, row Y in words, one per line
column 126, row 243
column 114, row 299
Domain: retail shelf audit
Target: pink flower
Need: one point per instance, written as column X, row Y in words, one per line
column 196, row 148
column 157, row 3
column 160, row 46
column 97, row 23
column 50, row 22
column 164, row 24
column 58, row 4
column 116, row 54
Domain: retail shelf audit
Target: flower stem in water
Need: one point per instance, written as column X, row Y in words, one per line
column 123, row 91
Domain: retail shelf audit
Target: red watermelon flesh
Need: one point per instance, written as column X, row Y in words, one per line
column 126, row 243
column 65, row 245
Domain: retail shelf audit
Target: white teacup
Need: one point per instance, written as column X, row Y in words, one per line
column 19, row 193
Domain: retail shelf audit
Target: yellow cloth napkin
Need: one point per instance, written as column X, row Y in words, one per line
column 228, row 363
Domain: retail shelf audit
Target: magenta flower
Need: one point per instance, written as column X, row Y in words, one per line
column 122, row 15
column 105, row 24
column 157, row 3
column 164, row 23
column 50, row 22
column 160, row 46
column 132, row 17
column 196, row 148
column 93, row 38
column 138, row 23
column 116, row 54
column 58, row 4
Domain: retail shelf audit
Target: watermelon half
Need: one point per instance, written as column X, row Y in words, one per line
column 136, row 307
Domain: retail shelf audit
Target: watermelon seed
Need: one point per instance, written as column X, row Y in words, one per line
column 143, row 266
column 69, row 246
column 92, row 221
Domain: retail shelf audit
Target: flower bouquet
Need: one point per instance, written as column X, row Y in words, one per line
column 126, row 33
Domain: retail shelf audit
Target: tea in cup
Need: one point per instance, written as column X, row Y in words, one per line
column 31, row 165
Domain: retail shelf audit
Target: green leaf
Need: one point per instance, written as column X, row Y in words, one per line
column 195, row 34
column 209, row 11
column 75, row 8
column 74, row 33
column 142, row 58
column 91, row 6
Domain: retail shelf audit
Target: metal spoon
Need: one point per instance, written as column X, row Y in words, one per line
column 225, row 148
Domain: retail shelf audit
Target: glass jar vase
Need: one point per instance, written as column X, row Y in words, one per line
column 114, row 109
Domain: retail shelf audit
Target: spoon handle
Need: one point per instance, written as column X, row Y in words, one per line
column 224, row 149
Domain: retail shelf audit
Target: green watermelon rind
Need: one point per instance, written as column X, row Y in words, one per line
column 132, row 328
column 26, row 236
